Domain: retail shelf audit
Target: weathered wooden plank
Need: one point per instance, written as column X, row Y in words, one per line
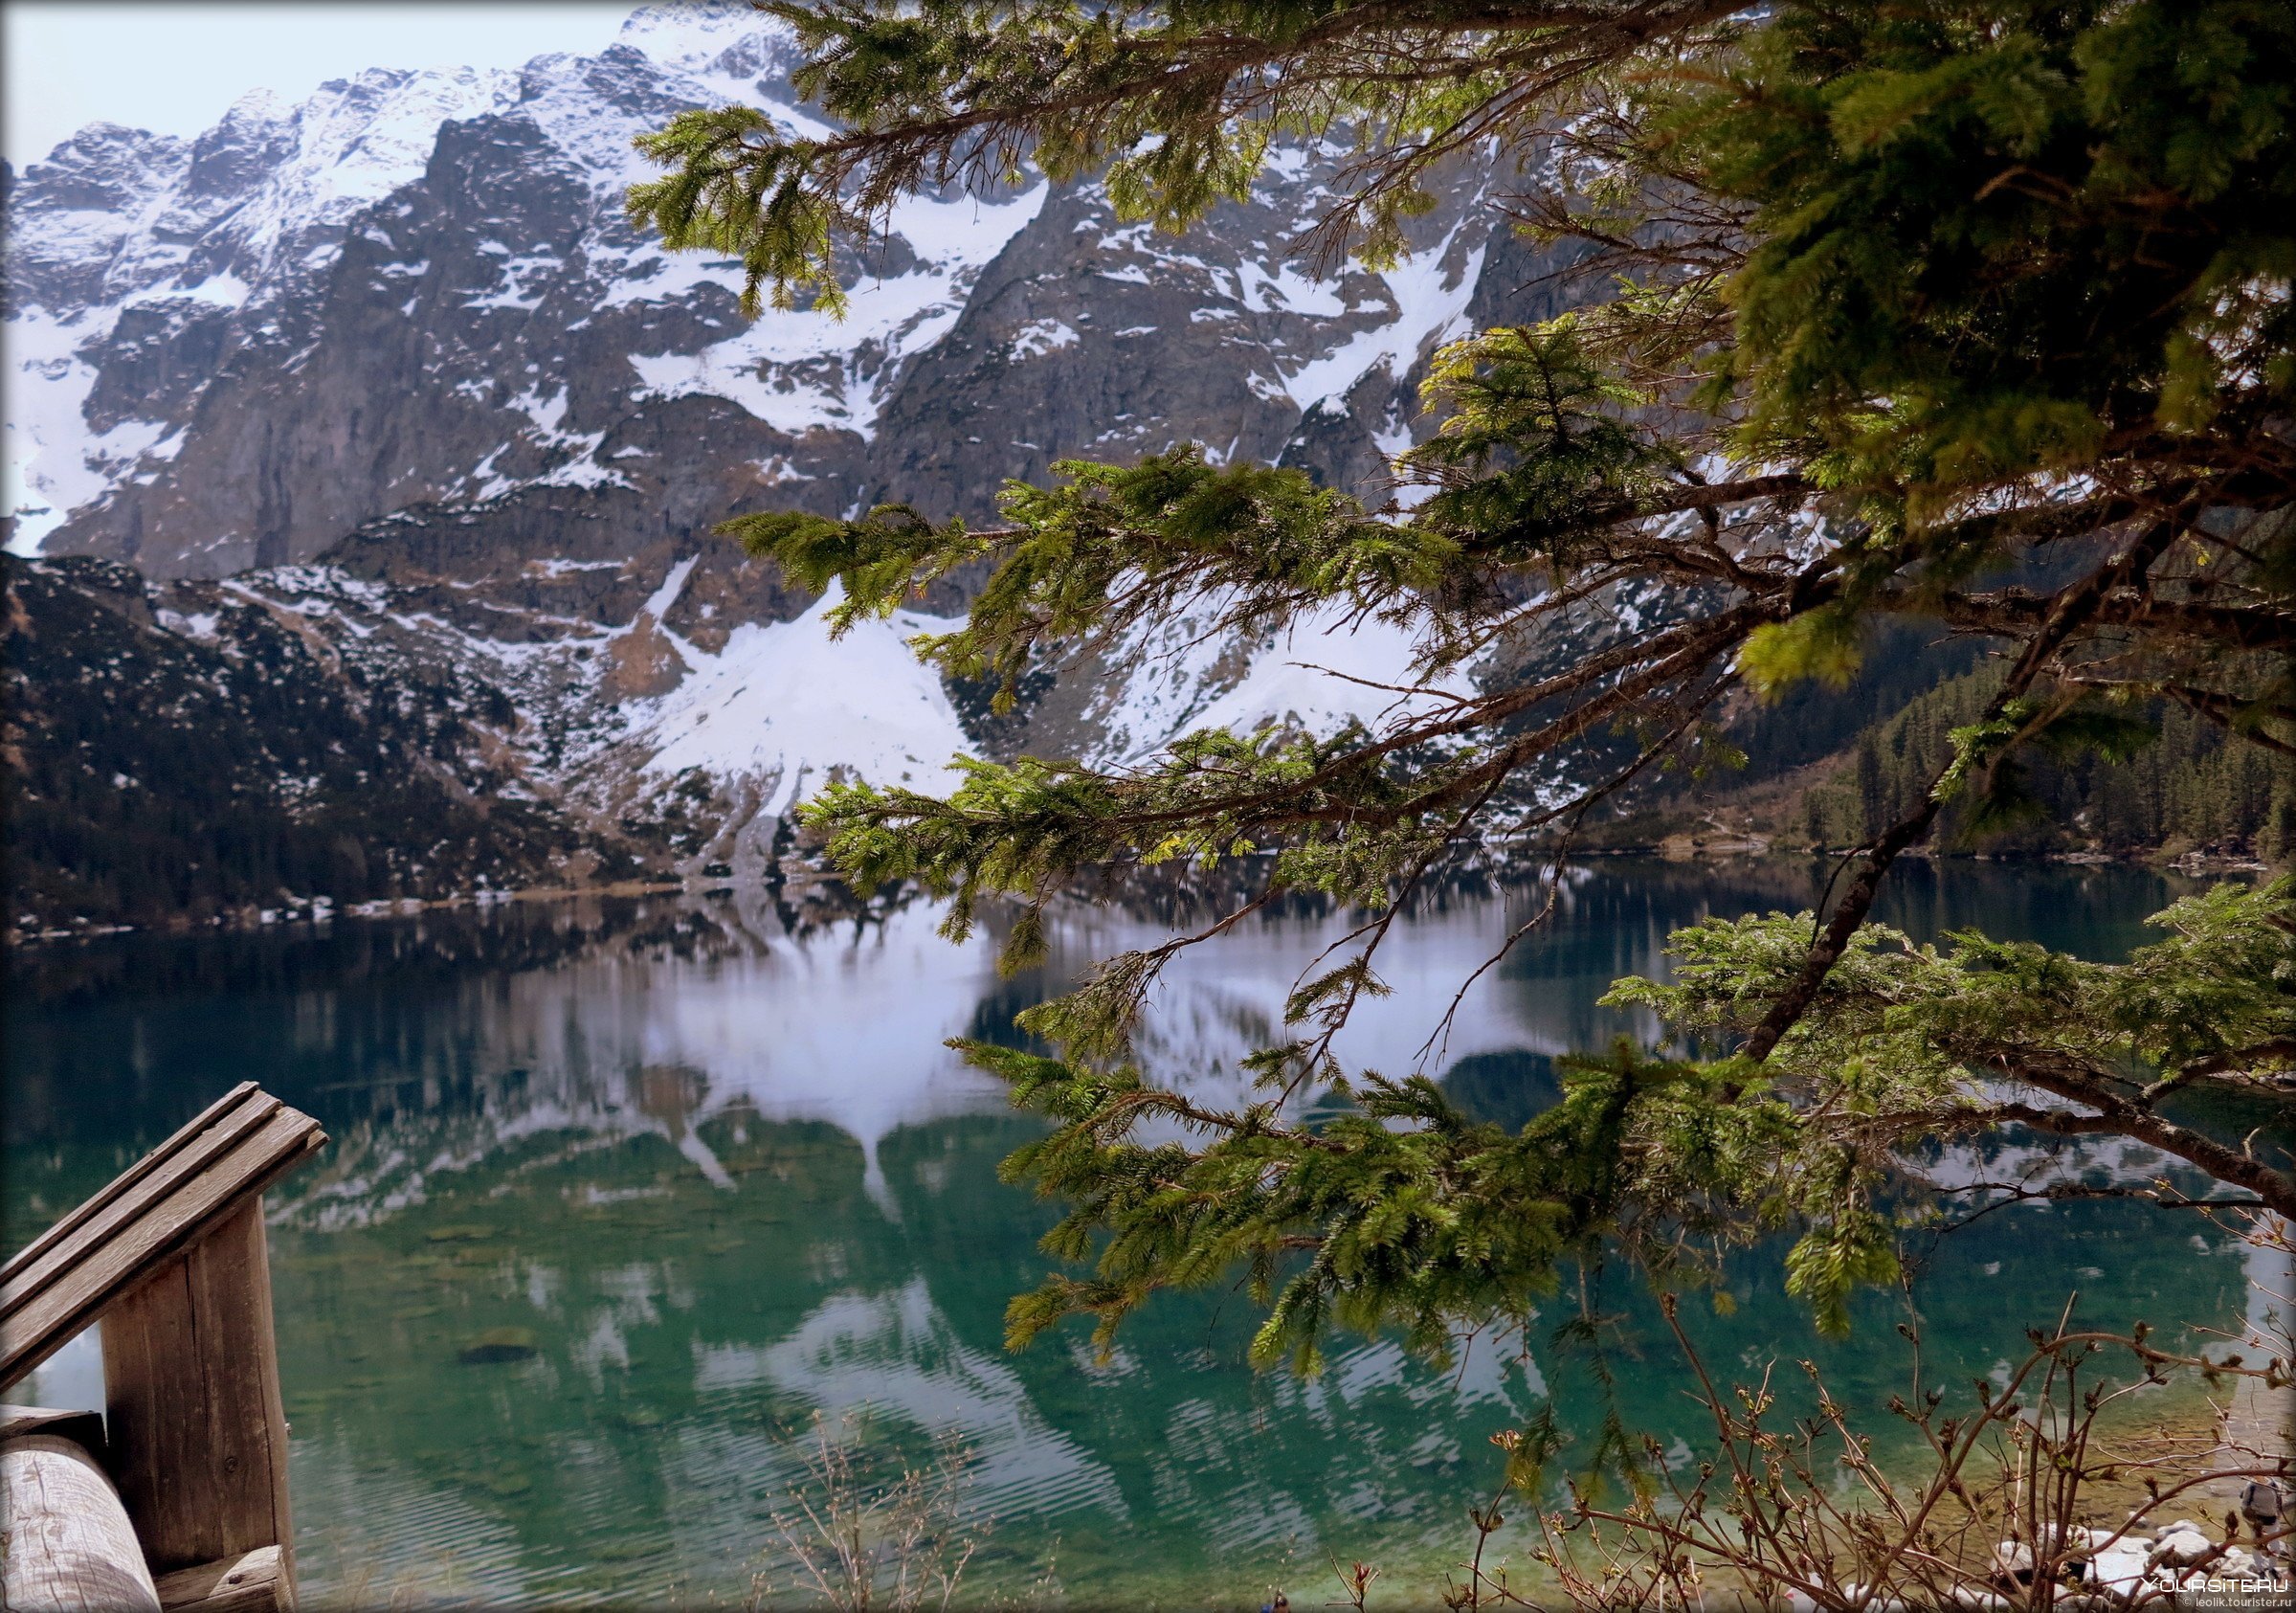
column 153, row 1436
column 69, row 1546
column 253, row 1582
column 112, row 1190
column 184, row 1159
column 35, row 1324
column 198, row 1435
column 232, row 1293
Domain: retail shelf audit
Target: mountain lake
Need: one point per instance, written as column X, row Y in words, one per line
column 624, row 1195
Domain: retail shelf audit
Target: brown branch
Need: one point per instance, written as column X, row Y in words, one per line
column 2070, row 609
column 2067, row 1077
column 2012, row 610
column 2013, row 1194
column 2238, row 1059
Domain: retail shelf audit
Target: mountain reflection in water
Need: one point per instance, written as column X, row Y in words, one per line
column 695, row 1173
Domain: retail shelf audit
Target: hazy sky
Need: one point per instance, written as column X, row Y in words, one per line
column 173, row 68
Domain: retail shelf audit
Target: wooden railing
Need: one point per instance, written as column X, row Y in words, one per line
column 169, row 1258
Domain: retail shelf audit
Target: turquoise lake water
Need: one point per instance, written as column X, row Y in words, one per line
column 623, row 1194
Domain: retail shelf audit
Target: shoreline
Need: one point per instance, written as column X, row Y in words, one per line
column 324, row 909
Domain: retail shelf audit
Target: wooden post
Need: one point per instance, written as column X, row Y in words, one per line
column 191, row 1393
column 170, row 1256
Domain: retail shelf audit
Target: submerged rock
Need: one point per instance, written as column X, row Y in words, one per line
column 498, row 1345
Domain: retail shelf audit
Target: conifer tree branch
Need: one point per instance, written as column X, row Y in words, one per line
column 2073, row 607
column 1913, row 313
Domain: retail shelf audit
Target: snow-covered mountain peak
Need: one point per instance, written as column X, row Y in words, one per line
column 232, row 350
column 115, row 211
column 718, row 36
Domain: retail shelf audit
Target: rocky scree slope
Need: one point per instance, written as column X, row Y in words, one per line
column 387, row 375
column 165, row 768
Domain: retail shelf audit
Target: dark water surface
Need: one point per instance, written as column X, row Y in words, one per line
column 623, row 1194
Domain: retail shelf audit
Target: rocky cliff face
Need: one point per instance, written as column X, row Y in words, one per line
column 390, row 367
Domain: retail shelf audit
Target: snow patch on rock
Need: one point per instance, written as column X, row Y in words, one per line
column 1431, row 291
column 799, row 371
column 1324, row 672
column 785, row 705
